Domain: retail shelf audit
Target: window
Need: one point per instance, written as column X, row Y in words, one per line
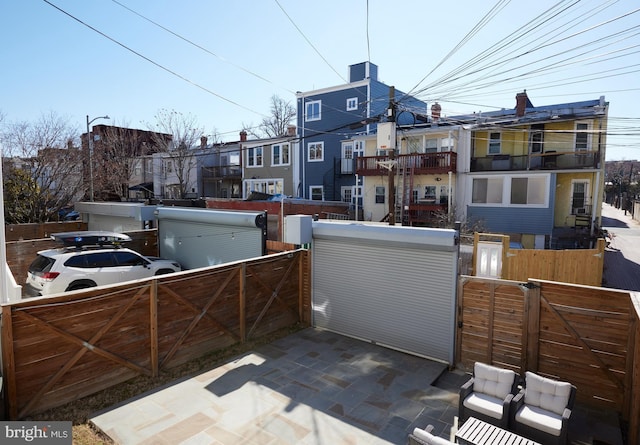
column 444, row 194
column 380, row 194
column 494, row 143
column 536, row 138
column 280, row 154
column 579, row 197
column 352, row 103
column 346, row 193
column 528, row 190
column 272, row 186
column 430, row 192
column 129, row 259
column 315, row 151
column 446, row 144
column 316, row 192
column 100, row 259
column 487, row 191
column 313, row 110
column 254, row 157
column 583, row 142
column 414, row 144
column 512, row 190
column 431, row 146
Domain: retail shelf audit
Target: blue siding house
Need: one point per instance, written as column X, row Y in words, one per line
column 327, row 121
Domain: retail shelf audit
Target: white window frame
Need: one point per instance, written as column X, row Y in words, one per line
column 314, row 147
column 282, row 148
column 310, row 114
column 253, row 157
column 586, row 132
column 273, row 186
column 492, row 141
column 505, row 190
column 352, row 104
column 313, row 190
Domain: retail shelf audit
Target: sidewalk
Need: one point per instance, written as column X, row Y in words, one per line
column 622, row 256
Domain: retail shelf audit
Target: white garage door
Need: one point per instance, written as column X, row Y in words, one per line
column 395, row 286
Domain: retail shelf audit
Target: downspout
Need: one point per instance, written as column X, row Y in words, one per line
column 449, row 199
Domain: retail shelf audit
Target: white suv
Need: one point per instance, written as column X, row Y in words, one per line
column 90, row 259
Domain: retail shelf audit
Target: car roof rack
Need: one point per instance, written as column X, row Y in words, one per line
column 90, row 238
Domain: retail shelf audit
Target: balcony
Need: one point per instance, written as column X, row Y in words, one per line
column 421, row 164
column 550, row 160
column 222, row 172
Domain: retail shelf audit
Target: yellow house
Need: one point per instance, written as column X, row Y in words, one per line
column 537, row 173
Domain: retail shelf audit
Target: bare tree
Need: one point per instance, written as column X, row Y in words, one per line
column 46, row 151
column 181, row 161
column 275, row 125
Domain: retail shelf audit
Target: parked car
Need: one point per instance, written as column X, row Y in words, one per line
column 89, row 259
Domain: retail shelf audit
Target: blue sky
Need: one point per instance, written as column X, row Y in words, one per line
column 254, row 49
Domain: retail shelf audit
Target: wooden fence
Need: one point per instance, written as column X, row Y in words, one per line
column 58, row 349
column 586, row 335
column 16, row 232
column 578, row 266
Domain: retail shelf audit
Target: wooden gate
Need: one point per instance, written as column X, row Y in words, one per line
column 581, row 334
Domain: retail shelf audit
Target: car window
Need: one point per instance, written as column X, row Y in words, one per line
column 77, row 261
column 100, row 259
column 41, row 264
column 129, row 259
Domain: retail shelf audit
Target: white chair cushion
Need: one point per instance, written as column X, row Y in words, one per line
column 545, row 393
column 430, row 438
column 482, row 403
column 493, row 381
column 540, row 419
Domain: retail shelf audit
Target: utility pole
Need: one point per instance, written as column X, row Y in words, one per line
column 391, row 117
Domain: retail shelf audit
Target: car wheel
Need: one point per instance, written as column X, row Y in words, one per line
column 164, row 271
column 81, row 285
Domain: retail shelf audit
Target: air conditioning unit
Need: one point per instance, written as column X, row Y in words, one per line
column 579, row 210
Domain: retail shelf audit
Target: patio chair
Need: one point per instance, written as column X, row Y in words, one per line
column 541, row 410
column 487, row 395
column 424, row 437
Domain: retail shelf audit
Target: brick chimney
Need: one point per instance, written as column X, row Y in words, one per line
column 243, row 136
column 203, row 142
column 291, row 130
column 435, row 111
column 521, row 103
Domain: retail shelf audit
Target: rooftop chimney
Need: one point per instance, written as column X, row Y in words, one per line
column 203, row 142
column 435, row 111
column 243, row 136
column 291, row 130
column 522, row 100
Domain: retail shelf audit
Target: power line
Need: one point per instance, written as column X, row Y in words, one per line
column 199, row 46
column 162, row 67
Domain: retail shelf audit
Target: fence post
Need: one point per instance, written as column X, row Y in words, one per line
column 531, row 327
column 9, row 365
column 242, row 297
column 153, row 326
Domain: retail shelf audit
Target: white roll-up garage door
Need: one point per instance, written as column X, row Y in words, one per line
column 395, row 286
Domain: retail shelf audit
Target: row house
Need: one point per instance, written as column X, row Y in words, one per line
column 328, row 119
column 270, row 165
column 421, row 172
column 537, row 172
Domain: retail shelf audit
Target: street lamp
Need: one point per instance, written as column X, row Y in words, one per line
column 90, row 145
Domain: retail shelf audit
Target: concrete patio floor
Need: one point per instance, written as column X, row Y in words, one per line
column 312, row 387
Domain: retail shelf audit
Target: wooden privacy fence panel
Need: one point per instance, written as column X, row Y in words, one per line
column 491, row 323
column 59, row 349
column 579, row 266
column 581, row 334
